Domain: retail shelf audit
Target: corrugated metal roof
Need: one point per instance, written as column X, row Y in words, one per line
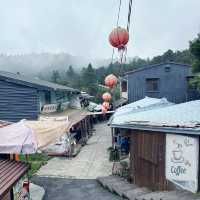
column 10, row 172
column 129, row 110
column 184, row 116
column 34, row 82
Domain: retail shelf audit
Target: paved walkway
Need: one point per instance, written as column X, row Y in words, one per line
column 73, row 189
column 67, row 179
column 91, row 162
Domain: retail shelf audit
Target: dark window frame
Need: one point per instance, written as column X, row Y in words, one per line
column 167, row 69
column 152, row 84
column 47, row 97
column 124, row 86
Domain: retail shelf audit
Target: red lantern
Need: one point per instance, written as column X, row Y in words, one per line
column 111, row 81
column 106, row 105
column 104, row 110
column 119, row 37
column 106, row 96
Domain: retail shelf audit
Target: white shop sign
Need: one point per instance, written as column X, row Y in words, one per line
column 182, row 157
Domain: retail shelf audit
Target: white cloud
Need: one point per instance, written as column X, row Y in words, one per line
column 81, row 27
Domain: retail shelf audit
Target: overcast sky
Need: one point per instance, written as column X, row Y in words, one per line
column 81, row 27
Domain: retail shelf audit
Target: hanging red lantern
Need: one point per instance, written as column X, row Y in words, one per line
column 119, row 37
column 107, row 96
column 104, row 110
column 111, row 81
column 106, row 105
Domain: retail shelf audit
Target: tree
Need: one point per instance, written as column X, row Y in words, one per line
column 89, row 79
column 70, row 73
column 195, row 50
column 72, row 77
column 56, row 76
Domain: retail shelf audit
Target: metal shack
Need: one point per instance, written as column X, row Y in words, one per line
column 23, row 97
column 170, row 80
column 164, row 149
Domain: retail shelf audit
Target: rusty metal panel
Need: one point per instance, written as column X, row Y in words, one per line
column 10, row 172
column 147, row 160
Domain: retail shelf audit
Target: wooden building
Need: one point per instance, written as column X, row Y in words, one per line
column 164, row 149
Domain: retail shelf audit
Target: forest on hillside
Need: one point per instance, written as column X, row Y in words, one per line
column 89, row 77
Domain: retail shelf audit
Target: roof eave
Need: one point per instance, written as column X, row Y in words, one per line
column 182, row 131
column 155, row 65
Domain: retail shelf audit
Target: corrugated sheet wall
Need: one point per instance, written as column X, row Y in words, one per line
column 172, row 84
column 18, row 102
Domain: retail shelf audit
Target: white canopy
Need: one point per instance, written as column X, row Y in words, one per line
column 17, row 138
column 26, row 137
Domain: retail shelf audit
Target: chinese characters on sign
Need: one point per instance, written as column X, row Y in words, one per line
column 182, row 153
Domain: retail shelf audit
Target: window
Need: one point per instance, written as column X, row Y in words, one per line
column 167, row 69
column 152, row 84
column 47, row 97
column 124, row 86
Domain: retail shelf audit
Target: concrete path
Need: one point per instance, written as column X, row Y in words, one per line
column 73, row 189
column 90, row 163
column 65, row 179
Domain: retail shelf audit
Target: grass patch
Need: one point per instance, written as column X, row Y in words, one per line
column 36, row 161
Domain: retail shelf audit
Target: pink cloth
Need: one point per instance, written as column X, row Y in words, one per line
column 17, row 139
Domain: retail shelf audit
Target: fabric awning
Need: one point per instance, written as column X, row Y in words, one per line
column 17, row 138
column 48, row 131
column 26, row 137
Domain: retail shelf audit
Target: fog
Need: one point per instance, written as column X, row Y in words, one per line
column 81, row 28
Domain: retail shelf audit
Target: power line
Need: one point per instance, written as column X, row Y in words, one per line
column 117, row 24
column 129, row 14
column 118, row 15
column 128, row 22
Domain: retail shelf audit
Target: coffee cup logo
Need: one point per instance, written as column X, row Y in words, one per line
column 177, row 156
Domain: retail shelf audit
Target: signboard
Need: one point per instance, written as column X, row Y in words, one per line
column 182, row 157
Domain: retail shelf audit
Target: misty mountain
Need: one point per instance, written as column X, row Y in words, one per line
column 32, row 64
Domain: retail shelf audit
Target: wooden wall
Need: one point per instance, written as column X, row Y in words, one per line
column 147, row 160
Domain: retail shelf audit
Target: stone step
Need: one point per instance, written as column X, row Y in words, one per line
column 129, row 191
column 168, row 195
column 108, row 180
column 121, row 187
column 135, row 193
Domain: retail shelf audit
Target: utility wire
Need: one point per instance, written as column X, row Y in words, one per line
column 118, row 15
column 128, row 23
column 129, row 14
column 117, row 24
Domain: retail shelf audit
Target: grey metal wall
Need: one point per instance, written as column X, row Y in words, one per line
column 18, row 102
column 173, row 84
